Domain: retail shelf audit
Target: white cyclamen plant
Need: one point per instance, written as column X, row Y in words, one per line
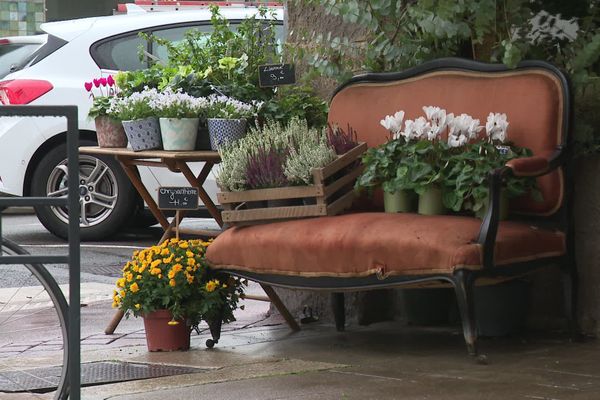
column 496, row 127
column 393, row 123
column 462, row 129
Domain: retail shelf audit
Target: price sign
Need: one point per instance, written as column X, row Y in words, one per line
column 276, row 75
column 177, row 198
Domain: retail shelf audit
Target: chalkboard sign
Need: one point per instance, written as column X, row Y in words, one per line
column 177, row 198
column 276, row 74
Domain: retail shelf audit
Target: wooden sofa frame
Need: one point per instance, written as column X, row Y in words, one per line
column 462, row 280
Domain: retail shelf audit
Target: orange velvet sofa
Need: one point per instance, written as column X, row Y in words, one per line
column 368, row 249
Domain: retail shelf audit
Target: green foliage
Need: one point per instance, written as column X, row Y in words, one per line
column 296, row 102
column 401, row 34
column 466, row 181
column 100, row 106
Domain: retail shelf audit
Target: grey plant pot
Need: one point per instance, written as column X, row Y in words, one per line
column 224, row 131
column 143, row 134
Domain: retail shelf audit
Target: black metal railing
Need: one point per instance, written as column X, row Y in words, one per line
column 72, row 202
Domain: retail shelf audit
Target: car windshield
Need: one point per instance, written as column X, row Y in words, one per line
column 13, row 54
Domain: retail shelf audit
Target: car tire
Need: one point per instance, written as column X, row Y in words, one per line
column 107, row 197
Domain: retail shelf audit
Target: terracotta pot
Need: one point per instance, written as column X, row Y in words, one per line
column 110, row 132
column 160, row 336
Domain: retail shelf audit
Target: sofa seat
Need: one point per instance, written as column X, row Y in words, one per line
column 363, row 244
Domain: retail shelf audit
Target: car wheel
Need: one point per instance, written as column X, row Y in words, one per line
column 106, row 197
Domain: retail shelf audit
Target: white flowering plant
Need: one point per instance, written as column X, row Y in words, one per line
column 218, row 106
column 177, row 104
column 135, row 106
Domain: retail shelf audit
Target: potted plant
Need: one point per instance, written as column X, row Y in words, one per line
column 178, row 116
column 138, row 118
column 227, row 119
column 171, row 287
column 109, row 131
column 469, row 162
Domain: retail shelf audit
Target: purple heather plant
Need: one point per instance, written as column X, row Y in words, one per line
column 265, row 169
column 341, row 141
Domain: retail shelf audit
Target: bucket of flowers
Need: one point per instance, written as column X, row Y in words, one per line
column 172, row 289
column 227, row 119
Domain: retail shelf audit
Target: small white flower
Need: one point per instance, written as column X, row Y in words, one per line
column 457, row 141
column 496, row 126
column 393, row 123
column 437, row 117
column 463, row 125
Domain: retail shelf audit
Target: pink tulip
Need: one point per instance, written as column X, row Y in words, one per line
column 96, row 82
column 102, row 81
column 88, row 86
column 110, row 80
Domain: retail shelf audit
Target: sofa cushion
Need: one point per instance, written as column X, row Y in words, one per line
column 363, row 244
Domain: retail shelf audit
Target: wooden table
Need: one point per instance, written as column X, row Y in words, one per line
column 175, row 161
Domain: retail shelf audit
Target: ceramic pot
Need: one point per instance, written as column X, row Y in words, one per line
column 223, row 131
column 399, row 201
column 179, row 133
column 143, row 134
column 110, row 132
column 430, row 202
column 160, row 336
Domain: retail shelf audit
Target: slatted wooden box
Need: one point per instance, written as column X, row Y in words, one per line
column 331, row 193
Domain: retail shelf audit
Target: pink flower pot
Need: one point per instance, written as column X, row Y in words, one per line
column 110, row 132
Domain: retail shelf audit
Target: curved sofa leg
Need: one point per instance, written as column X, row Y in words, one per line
column 339, row 311
column 463, row 285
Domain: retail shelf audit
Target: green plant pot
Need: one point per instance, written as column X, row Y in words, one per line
column 430, row 202
column 503, row 207
column 399, row 201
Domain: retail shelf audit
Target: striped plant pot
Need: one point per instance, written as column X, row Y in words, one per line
column 224, row 131
column 143, row 134
column 179, row 133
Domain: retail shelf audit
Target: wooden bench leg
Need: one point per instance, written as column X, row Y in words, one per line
column 339, row 311
column 570, row 283
column 285, row 313
column 114, row 322
column 463, row 285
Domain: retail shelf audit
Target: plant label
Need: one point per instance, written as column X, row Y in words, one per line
column 177, row 198
column 276, row 75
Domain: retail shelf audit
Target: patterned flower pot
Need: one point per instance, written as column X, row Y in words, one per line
column 179, row 134
column 160, row 336
column 110, row 132
column 223, row 131
column 143, row 134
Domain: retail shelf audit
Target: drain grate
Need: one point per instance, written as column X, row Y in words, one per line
column 96, row 373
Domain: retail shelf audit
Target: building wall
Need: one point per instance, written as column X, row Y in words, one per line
column 21, row 17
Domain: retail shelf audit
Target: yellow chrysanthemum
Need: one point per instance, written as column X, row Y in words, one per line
column 138, row 277
column 173, row 322
column 165, row 252
column 159, row 276
column 177, row 267
column 167, row 260
column 121, row 282
column 155, row 271
column 129, row 277
column 155, row 263
column 137, row 306
column 171, row 274
column 189, row 253
column 115, row 305
column 134, row 287
column 173, row 241
column 172, row 282
column 211, row 285
column 122, row 293
column 142, row 268
column 183, row 245
column 188, row 269
column 191, row 262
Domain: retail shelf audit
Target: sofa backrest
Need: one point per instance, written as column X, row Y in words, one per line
column 534, row 97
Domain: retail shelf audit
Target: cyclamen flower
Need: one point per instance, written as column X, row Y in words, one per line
column 496, row 126
column 110, row 80
column 461, row 129
column 88, row 86
column 416, row 129
column 393, row 123
column 437, row 117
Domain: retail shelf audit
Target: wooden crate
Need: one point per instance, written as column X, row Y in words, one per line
column 332, row 192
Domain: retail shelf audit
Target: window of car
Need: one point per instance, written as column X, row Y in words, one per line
column 11, row 55
column 122, row 52
column 119, row 53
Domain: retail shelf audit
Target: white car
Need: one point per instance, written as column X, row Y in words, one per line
column 33, row 150
column 14, row 50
